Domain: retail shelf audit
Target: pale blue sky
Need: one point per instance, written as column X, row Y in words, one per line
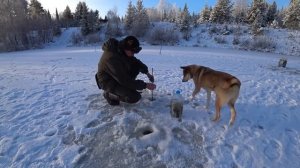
column 104, row 5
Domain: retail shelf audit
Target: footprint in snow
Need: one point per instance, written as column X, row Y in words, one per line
column 50, row 132
column 182, row 135
column 244, row 156
column 93, row 123
column 273, row 150
column 92, row 97
column 245, row 122
column 282, row 116
column 107, row 119
column 215, row 134
column 245, row 132
column 70, row 135
column 293, row 136
column 65, row 113
column 294, row 142
column 141, row 113
column 95, row 105
column 15, row 94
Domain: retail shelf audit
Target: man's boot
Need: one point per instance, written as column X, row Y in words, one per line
column 111, row 98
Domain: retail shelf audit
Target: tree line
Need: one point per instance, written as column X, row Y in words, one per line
column 258, row 14
column 23, row 25
column 27, row 25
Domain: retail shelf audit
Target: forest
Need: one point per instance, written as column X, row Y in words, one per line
column 27, row 25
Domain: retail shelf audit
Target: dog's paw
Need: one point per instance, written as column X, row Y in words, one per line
column 191, row 98
column 215, row 118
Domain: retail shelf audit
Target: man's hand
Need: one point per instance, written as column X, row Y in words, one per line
column 151, row 77
column 150, row 86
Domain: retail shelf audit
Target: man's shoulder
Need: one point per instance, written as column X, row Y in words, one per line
column 112, row 56
column 111, row 45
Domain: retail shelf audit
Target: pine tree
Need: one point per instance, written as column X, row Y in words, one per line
column 271, row 13
column 49, row 18
column 161, row 9
column 221, row 13
column 204, row 15
column 23, row 25
column 174, row 12
column 67, row 17
column 56, row 30
column 14, row 25
column 164, row 8
column 85, row 30
column 292, row 16
column 257, row 16
column 185, row 25
column 141, row 20
column 56, row 16
column 78, row 14
column 92, row 21
column 113, row 24
column 35, row 9
column 35, row 13
column 129, row 17
column 194, row 19
column 240, row 11
column 38, row 24
column 280, row 17
column 257, row 13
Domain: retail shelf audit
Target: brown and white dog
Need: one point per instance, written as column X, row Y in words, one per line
column 225, row 86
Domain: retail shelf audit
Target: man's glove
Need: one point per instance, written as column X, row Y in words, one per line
column 151, row 77
column 150, row 86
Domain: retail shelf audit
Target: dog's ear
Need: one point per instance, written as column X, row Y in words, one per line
column 183, row 67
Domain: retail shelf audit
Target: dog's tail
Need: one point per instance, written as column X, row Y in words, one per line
column 230, row 82
column 235, row 81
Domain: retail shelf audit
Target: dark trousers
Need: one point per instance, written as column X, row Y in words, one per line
column 126, row 95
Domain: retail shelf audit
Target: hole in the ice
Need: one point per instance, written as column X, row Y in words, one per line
column 144, row 131
column 147, row 131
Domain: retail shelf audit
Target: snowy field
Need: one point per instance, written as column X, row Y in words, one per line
column 53, row 115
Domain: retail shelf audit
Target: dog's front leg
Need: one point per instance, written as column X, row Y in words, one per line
column 196, row 90
column 208, row 97
column 218, row 109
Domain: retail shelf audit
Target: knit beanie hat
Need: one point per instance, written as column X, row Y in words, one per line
column 131, row 43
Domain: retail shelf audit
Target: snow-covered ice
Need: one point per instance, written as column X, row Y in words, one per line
column 53, row 115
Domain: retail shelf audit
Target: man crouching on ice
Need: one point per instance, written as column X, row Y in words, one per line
column 118, row 69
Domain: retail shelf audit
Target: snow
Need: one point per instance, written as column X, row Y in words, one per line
column 64, row 40
column 53, row 115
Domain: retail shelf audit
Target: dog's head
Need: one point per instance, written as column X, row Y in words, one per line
column 187, row 73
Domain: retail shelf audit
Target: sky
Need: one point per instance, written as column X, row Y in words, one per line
column 121, row 5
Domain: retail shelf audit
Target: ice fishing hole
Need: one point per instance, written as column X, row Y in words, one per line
column 144, row 131
column 147, row 131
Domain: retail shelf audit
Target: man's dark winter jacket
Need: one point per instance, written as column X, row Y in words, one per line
column 115, row 67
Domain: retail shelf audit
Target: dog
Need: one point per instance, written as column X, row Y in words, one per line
column 225, row 86
column 176, row 109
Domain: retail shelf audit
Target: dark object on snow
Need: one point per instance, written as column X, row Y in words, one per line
column 96, row 78
column 152, row 80
column 282, row 62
